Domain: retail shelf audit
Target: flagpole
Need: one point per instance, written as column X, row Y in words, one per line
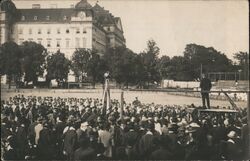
column 122, row 104
column 106, row 95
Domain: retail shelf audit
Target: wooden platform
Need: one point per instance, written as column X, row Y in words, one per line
column 218, row 110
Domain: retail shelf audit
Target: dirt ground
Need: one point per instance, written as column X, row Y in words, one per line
column 144, row 96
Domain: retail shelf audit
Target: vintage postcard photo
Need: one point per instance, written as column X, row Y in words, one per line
column 124, row 80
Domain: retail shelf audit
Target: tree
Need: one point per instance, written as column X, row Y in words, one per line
column 80, row 60
column 210, row 59
column 179, row 69
column 162, row 66
column 96, row 67
column 243, row 63
column 58, row 67
column 121, row 63
column 10, row 55
column 150, row 59
column 32, row 61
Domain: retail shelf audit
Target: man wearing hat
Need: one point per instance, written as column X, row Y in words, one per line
column 146, row 143
column 70, row 139
column 233, row 149
column 45, row 141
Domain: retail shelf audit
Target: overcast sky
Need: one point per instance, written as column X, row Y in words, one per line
column 173, row 24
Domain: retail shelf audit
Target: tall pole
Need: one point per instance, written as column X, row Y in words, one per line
column 122, row 104
column 248, row 121
column 201, row 72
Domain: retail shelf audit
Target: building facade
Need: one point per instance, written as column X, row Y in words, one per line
column 56, row 24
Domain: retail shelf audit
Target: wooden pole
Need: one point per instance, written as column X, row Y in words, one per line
column 122, row 103
column 248, row 122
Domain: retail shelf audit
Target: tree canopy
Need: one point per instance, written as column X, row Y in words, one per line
column 58, row 67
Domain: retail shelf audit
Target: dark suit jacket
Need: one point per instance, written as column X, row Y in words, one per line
column 70, row 140
column 84, row 154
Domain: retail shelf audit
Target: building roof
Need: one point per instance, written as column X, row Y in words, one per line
column 101, row 16
column 46, row 15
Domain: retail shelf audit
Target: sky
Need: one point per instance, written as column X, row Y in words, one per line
column 223, row 25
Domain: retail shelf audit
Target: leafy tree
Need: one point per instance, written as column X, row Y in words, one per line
column 121, row 62
column 179, row 69
column 80, row 60
column 243, row 63
column 96, row 68
column 150, row 59
column 58, row 67
column 10, row 55
column 90, row 62
column 211, row 60
column 32, row 61
column 162, row 66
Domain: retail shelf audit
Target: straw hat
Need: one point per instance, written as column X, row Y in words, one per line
column 232, row 134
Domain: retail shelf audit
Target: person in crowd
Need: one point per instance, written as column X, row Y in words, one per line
column 105, row 139
column 44, row 147
column 85, row 152
column 70, row 139
column 163, row 152
column 205, row 86
column 35, row 128
column 21, row 140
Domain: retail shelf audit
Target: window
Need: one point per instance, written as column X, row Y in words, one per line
column 84, row 31
column 58, row 31
column 47, row 17
column 58, row 43
column 67, row 43
column 23, row 18
column 67, row 31
column 20, row 31
column 30, row 39
column 77, row 30
column 48, row 31
column 77, row 42
column 48, row 43
column 35, row 17
column 108, row 28
column 39, row 31
column 30, row 31
column 36, row 6
column 39, row 42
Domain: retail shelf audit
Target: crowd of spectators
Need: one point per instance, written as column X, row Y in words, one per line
column 46, row 128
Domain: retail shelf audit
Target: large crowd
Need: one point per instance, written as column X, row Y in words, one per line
column 40, row 128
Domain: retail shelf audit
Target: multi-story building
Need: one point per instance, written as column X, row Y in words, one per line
column 63, row 25
column 57, row 24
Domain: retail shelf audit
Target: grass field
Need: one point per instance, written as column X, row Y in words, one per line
column 144, row 96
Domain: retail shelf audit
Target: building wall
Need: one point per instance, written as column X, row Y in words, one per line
column 54, row 36
column 99, row 39
column 3, row 27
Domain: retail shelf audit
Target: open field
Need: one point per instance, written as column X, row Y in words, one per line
column 144, row 96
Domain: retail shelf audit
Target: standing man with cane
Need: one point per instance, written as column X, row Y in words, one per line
column 205, row 86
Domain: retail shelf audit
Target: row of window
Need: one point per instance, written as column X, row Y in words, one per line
column 58, row 31
column 58, row 42
column 47, row 18
column 37, row 6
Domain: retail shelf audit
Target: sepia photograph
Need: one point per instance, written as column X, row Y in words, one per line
column 124, row 80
